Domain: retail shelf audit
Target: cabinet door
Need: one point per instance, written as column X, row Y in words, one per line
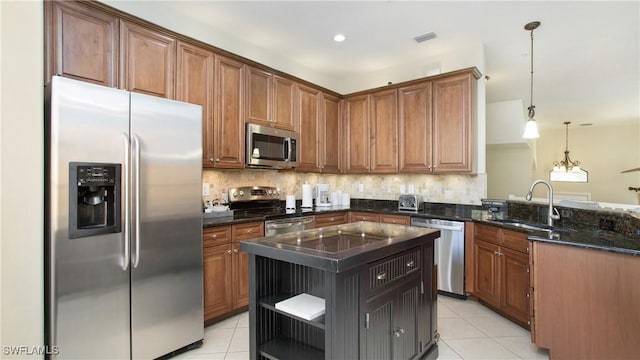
column 406, row 322
column 228, row 122
column 81, row 43
column 358, row 134
column 283, row 100
column 487, row 281
column 148, row 61
column 452, row 124
column 514, row 269
column 378, row 320
column 195, row 82
column 240, row 277
column 414, row 123
column 308, row 129
column 383, row 127
column 332, row 139
column 217, row 280
column 258, row 96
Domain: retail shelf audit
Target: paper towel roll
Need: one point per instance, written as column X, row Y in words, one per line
column 346, row 199
column 291, row 202
column 307, row 196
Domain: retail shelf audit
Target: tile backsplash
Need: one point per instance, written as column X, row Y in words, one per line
column 455, row 189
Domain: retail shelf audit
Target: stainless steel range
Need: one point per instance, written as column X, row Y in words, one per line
column 259, row 201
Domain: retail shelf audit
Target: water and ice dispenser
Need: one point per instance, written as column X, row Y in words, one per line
column 94, row 199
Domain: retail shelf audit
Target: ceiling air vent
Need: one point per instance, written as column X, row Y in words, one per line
column 425, row 37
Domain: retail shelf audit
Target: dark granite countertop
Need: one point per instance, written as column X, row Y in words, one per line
column 568, row 233
column 340, row 247
column 431, row 210
column 589, row 239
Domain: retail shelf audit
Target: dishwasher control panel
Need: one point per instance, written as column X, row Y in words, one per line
column 410, row 202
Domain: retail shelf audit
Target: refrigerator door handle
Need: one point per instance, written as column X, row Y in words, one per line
column 136, row 210
column 127, row 220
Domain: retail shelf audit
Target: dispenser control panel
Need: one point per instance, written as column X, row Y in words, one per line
column 94, row 199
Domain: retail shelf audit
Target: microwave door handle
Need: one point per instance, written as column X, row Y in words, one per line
column 287, row 147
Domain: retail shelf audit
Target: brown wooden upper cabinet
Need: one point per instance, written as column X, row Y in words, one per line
column 270, row 99
column 309, row 132
column 318, row 117
column 372, row 127
column 436, row 121
column 454, row 123
column 148, row 60
column 81, row 43
column 228, row 119
column 194, row 84
column 331, row 140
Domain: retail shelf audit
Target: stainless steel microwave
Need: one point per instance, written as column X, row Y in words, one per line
column 267, row 147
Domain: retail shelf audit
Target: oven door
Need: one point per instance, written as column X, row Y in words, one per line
column 269, row 147
column 283, row 226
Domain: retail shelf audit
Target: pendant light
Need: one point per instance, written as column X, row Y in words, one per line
column 531, row 128
column 566, row 169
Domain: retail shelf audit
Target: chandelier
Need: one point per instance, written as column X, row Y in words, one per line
column 567, row 169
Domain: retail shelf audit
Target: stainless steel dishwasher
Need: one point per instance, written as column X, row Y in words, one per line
column 449, row 254
column 287, row 225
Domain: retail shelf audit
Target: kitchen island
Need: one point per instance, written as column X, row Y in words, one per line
column 376, row 281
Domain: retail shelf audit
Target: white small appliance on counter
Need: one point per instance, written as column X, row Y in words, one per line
column 323, row 194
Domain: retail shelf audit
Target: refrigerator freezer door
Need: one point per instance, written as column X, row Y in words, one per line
column 166, row 244
column 87, row 290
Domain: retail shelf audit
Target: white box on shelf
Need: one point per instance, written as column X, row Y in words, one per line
column 304, row 305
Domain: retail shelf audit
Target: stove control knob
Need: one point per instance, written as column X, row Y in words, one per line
column 241, row 193
column 278, row 192
column 235, row 194
column 269, row 192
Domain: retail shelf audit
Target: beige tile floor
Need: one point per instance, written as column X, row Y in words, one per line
column 468, row 330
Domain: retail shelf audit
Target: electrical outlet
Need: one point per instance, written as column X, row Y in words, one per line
column 361, row 187
column 205, row 189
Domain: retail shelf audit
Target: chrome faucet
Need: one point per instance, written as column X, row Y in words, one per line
column 553, row 212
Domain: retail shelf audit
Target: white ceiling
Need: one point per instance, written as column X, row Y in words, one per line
column 586, row 53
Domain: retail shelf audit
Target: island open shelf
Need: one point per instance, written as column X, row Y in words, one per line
column 377, row 284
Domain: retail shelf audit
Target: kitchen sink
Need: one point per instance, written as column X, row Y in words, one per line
column 524, row 225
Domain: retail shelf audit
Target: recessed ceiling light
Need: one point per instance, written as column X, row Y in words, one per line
column 339, row 38
column 425, row 37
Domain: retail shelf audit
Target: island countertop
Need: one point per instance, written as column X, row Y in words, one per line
column 340, row 247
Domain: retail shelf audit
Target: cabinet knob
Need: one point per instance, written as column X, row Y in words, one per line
column 235, row 251
column 217, row 160
column 250, row 231
column 332, row 219
column 211, row 159
column 410, row 263
column 214, row 236
column 528, row 295
column 382, row 276
column 398, row 331
column 228, row 252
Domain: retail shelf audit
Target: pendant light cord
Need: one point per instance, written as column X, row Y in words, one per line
column 531, row 107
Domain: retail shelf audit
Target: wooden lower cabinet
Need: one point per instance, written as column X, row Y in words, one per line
column 225, row 268
column 501, row 272
column 323, row 220
column 217, row 281
column 364, row 216
column 395, row 219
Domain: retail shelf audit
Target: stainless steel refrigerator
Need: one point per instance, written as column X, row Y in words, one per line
column 123, row 223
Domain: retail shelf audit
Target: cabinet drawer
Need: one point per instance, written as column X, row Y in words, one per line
column 332, row 219
column 488, row 233
column 393, row 268
column 515, row 241
column 247, row 231
column 363, row 216
column 395, row 219
column 214, row 236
